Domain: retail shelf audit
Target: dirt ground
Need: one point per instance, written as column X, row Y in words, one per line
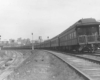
column 43, row 66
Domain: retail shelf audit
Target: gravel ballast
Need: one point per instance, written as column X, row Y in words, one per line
column 44, row 66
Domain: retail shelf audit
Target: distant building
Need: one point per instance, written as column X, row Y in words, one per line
column 12, row 42
column 40, row 39
column 22, row 42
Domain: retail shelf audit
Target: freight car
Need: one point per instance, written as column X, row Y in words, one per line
column 84, row 35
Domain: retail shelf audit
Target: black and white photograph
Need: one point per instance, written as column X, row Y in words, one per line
column 49, row 39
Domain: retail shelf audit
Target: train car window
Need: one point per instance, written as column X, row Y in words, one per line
column 74, row 34
column 99, row 29
column 80, row 31
column 92, row 30
column 70, row 36
column 88, row 31
column 66, row 37
column 62, row 38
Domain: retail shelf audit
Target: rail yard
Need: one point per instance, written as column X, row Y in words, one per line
column 72, row 55
column 48, row 65
column 49, row 39
column 82, row 36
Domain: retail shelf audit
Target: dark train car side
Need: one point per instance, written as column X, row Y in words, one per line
column 55, row 43
column 47, row 44
column 84, row 35
column 68, row 38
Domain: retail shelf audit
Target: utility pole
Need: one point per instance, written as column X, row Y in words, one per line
column 32, row 42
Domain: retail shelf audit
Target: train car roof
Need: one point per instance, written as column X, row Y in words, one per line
column 87, row 21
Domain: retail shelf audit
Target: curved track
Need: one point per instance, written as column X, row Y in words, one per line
column 88, row 67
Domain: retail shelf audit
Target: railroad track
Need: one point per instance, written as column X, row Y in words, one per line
column 91, row 57
column 16, row 60
column 9, row 59
column 95, row 57
column 87, row 67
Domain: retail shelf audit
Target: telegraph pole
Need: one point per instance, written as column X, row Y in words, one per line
column 32, row 42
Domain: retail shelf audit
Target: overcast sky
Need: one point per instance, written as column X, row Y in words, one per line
column 19, row 18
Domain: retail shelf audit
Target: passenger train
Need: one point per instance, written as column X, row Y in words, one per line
column 84, row 35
